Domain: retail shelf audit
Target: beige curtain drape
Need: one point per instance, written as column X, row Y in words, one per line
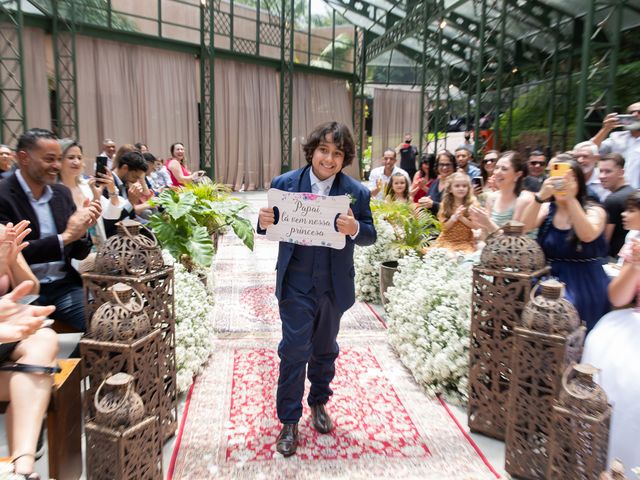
column 36, row 86
column 247, row 124
column 318, row 99
column 395, row 112
column 136, row 94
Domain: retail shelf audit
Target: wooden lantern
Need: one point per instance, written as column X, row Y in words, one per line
column 133, row 257
column 134, row 453
column 510, row 264
column 580, row 427
column 548, row 340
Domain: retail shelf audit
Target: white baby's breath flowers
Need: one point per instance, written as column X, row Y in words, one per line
column 193, row 329
column 429, row 317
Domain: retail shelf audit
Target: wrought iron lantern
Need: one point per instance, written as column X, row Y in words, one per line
column 549, row 339
column 133, row 257
column 121, row 442
column 580, row 427
column 510, row 264
column 122, row 319
column 130, row 252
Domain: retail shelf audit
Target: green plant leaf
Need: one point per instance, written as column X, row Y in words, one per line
column 244, row 230
column 176, row 205
column 200, row 246
column 167, row 235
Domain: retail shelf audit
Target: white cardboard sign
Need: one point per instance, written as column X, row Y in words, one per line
column 306, row 218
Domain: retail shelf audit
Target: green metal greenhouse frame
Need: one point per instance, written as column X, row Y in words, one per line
column 486, row 49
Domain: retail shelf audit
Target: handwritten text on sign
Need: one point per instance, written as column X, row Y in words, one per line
column 306, row 218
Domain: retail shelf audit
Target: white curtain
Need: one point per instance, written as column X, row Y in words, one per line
column 318, row 99
column 247, row 124
column 134, row 94
column 395, row 112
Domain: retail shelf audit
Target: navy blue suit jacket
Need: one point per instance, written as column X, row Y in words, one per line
column 342, row 270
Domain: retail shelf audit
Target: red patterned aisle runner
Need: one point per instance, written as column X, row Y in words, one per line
column 384, row 425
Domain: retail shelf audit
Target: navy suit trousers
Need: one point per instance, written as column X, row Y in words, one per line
column 310, row 325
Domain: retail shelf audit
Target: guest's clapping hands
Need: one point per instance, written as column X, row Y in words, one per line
column 12, row 243
column 458, row 213
column 266, row 218
column 634, row 254
column 17, row 321
column 425, row 202
column 347, row 223
column 480, row 217
column 81, row 220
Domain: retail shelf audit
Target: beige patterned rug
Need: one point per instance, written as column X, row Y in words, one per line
column 385, row 427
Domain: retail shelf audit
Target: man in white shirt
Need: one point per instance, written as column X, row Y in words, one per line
column 379, row 176
column 626, row 143
column 587, row 156
column 108, row 151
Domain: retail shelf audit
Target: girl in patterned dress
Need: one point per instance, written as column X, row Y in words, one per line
column 457, row 228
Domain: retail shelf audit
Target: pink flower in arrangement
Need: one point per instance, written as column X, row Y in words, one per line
column 309, row 196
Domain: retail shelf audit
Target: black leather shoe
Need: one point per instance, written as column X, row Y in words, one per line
column 321, row 419
column 287, row 442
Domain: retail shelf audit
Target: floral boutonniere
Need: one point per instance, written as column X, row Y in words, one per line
column 352, row 199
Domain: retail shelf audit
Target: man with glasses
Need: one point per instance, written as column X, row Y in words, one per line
column 379, row 176
column 446, row 165
column 626, row 142
column 536, row 165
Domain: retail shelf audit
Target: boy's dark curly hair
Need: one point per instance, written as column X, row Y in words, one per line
column 339, row 134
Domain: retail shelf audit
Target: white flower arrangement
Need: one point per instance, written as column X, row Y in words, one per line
column 367, row 260
column 429, row 318
column 193, row 329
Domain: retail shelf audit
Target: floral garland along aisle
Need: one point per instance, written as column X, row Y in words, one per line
column 429, row 319
column 193, row 303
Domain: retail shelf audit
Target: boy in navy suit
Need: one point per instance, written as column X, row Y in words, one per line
column 315, row 285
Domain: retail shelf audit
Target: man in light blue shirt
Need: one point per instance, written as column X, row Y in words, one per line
column 59, row 231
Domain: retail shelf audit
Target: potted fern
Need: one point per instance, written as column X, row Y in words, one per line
column 191, row 217
column 413, row 228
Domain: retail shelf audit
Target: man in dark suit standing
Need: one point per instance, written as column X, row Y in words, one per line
column 315, row 285
column 58, row 230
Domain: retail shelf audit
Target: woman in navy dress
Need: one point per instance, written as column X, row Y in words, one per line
column 572, row 237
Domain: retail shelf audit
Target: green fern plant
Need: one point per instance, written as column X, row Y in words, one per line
column 415, row 228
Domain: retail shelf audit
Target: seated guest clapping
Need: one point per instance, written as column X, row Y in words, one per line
column 509, row 201
column 457, row 228
column 25, row 347
column 571, row 234
column 86, row 190
column 59, row 229
column 612, row 346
